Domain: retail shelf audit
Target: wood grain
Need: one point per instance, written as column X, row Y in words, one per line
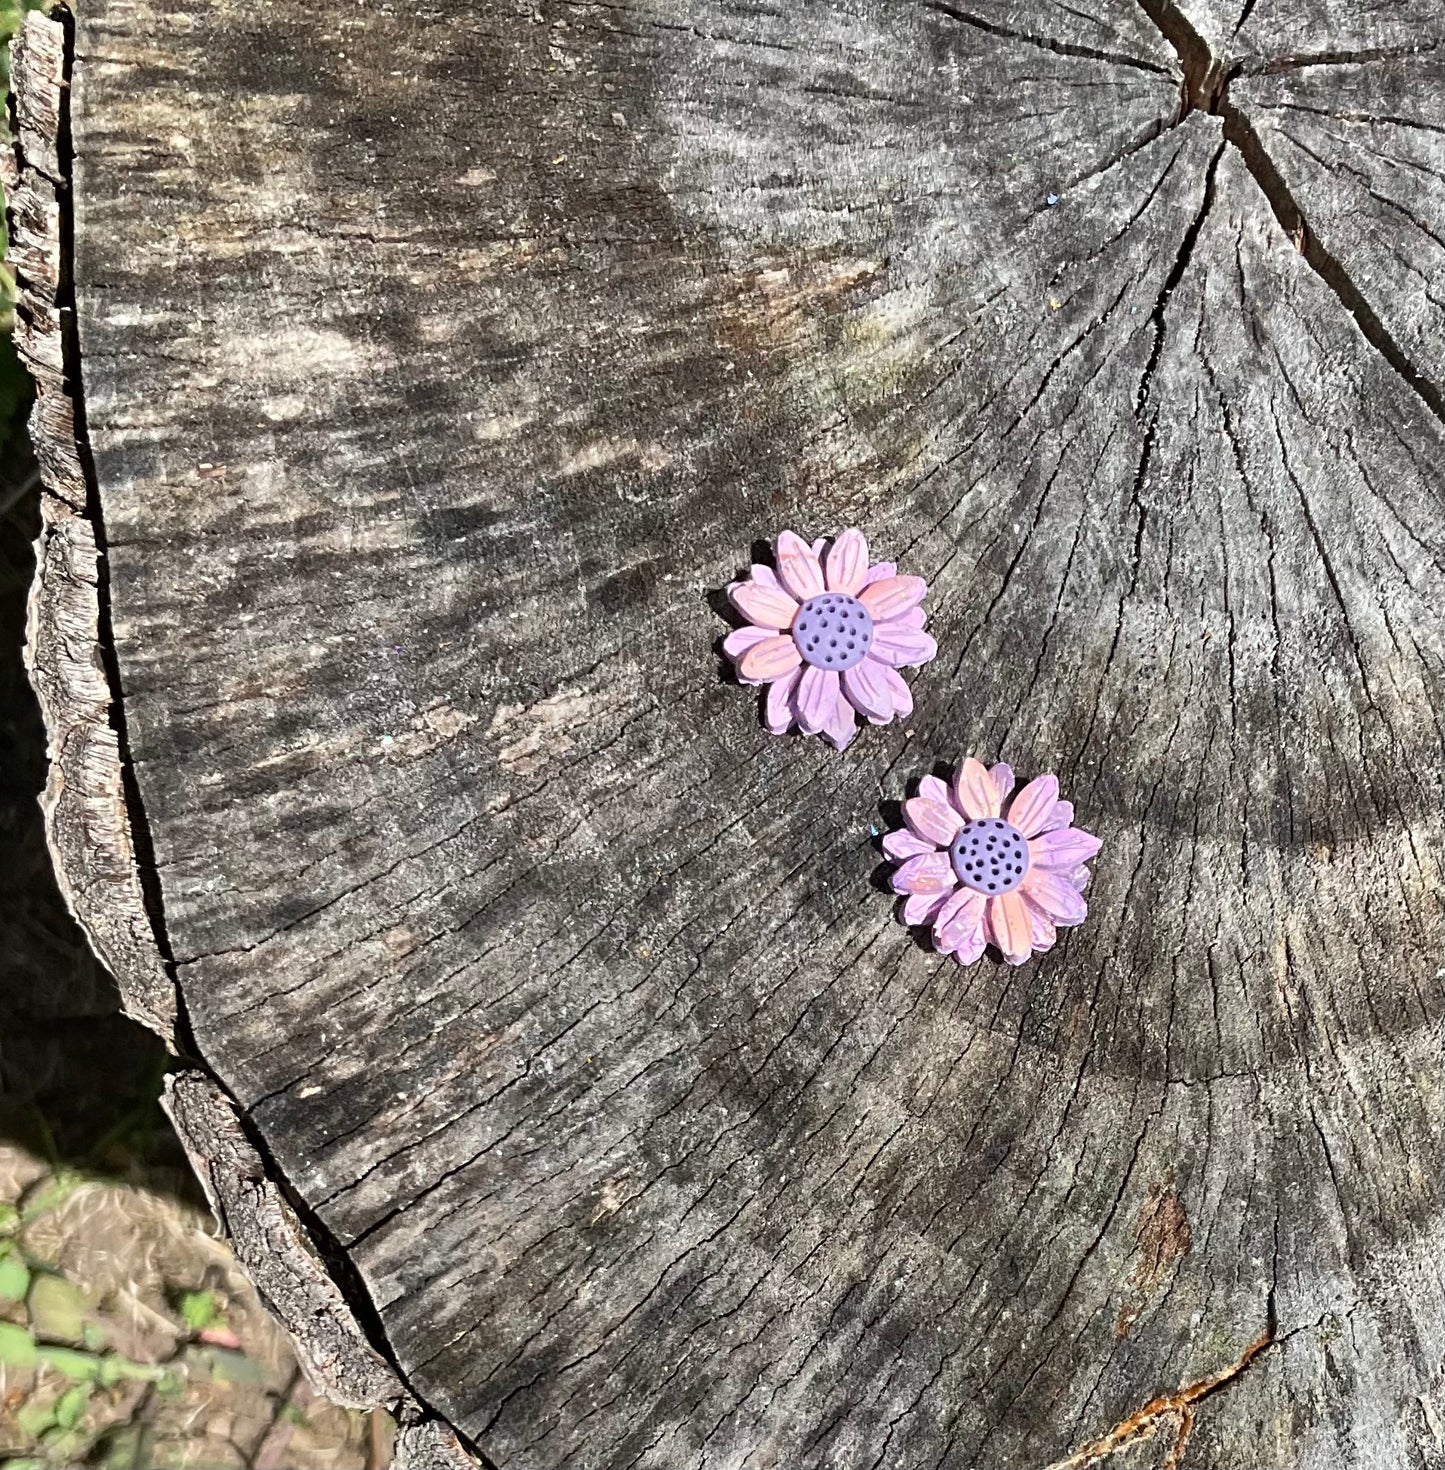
column 442, row 363
column 84, row 803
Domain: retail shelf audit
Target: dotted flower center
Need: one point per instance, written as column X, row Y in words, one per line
column 833, row 631
column 990, row 856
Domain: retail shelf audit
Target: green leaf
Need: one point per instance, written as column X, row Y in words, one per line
column 114, row 1369
column 14, row 1278
column 70, row 1407
column 17, row 1348
column 200, row 1309
column 57, row 1308
column 69, row 1361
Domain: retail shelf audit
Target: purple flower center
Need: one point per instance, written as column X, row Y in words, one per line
column 833, row 631
column 990, row 856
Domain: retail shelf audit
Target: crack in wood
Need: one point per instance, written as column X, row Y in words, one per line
column 103, row 854
column 1205, row 88
column 1043, row 42
column 1177, row 1410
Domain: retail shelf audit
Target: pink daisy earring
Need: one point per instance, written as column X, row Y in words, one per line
column 983, row 869
column 827, row 634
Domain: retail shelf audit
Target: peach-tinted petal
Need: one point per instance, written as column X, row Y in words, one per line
column 901, row 647
column 921, row 908
column 847, row 563
column 868, row 692
column 905, row 844
column 898, row 691
column 770, row 659
column 1063, row 849
column 737, row 643
column 1061, row 816
column 930, row 872
column 815, row 699
column 1054, row 896
column 934, row 789
column 892, row 597
column 1032, row 806
column 975, row 793
column 960, row 922
column 798, row 568
column 778, row 711
column 842, row 725
column 1008, row 920
column 1003, row 780
column 766, row 606
column 938, row 823
column 879, row 572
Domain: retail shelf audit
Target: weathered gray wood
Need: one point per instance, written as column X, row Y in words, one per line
column 440, row 363
column 274, row 1248
column 84, row 805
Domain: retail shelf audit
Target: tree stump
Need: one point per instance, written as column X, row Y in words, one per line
column 440, row 364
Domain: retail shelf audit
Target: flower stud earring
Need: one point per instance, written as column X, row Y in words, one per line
column 827, row 633
column 983, row 869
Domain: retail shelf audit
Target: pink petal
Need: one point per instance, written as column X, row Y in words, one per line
column 892, row 597
column 1080, row 878
column 818, row 546
column 1044, row 933
column 878, row 572
column 898, row 691
column 1003, row 780
column 1031, row 807
column 798, row 568
column 770, row 659
column 939, row 824
column 737, row 643
column 905, row 844
column 816, row 697
column 868, row 692
column 970, row 947
column 847, row 563
column 1063, row 849
column 900, row 646
column 920, row 908
column 765, row 576
column 765, row 606
column 934, row 789
column 1008, row 921
column 974, row 792
column 842, row 725
column 914, row 618
column 1054, row 896
column 929, row 872
column 960, row 922
column 778, row 711
column 1061, row 816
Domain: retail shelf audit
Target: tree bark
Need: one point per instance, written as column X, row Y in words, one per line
column 439, row 367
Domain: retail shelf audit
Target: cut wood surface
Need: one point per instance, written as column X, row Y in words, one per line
column 441, row 363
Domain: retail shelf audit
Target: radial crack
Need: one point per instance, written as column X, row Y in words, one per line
column 1205, row 88
column 1176, row 1411
column 1044, row 43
